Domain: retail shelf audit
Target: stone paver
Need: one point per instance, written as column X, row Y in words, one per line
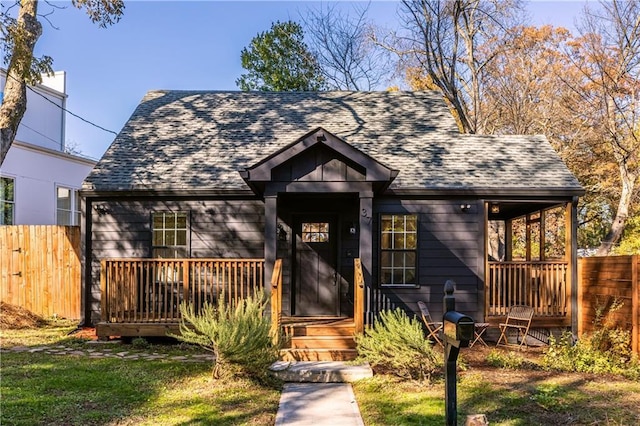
column 108, row 353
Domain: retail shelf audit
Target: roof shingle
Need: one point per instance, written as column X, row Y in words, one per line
column 191, row 140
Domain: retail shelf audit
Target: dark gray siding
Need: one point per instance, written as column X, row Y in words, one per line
column 450, row 247
column 218, row 229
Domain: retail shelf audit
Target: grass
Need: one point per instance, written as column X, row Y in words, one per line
column 508, row 396
column 40, row 388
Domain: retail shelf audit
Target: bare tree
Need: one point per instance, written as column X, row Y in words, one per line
column 441, row 41
column 341, row 43
column 19, row 37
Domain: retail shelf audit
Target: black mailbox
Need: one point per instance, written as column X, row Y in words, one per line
column 458, row 328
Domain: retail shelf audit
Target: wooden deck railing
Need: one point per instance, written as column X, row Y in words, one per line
column 276, row 298
column 358, row 296
column 151, row 290
column 542, row 285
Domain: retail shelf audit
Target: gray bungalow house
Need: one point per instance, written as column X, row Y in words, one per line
column 338, row 204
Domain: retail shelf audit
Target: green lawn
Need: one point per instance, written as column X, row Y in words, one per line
column 514, row 397
column 38, row 388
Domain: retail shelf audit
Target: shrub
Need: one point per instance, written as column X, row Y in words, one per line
column 140, row 343
column 396, row 345
column 500, row 359
column 238, row 335
column 606, row 350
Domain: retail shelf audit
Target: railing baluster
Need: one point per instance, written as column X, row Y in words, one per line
column 151, row 290
column 540, row 284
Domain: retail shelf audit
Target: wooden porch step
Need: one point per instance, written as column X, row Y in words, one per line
column 319, row 339
column 322, row 342
column 318, row 354
column 344, row 330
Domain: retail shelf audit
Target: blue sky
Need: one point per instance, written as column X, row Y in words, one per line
column 176, row 45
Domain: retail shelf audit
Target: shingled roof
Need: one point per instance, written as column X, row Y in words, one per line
column 200, row 140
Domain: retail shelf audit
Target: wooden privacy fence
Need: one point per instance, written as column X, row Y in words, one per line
column 603, row 280
column 40, row 269
column 151, row 290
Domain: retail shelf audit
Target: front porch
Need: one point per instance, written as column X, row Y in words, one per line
column 141, row 297
column 531, row 261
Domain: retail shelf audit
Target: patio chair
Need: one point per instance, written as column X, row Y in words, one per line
column 519, row 320
column 433, row 327
column 479, row 330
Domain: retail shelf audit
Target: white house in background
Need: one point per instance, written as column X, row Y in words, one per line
column 39, row 181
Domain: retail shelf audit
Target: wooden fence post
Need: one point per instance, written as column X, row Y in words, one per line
column 635, row 300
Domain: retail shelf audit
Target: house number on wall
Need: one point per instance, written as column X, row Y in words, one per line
column 365, row 214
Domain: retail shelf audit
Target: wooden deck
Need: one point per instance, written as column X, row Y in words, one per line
column 543, row 285
column 142, row 297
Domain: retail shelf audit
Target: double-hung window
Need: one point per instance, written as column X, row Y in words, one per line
column 398, row 249
column 7, row 200
column 170, row 235
column 67, row 206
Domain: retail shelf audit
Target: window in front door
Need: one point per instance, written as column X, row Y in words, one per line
column 315, row 232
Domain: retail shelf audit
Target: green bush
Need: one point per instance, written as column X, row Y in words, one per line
column 606, row 350
column 140, row 343
column 586, row 357
column 509, row 360
column 238, row 335
column 396, row 345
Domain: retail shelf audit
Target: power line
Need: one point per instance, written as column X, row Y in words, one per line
column 64, row 109
column 58, row 144
column 41, row 134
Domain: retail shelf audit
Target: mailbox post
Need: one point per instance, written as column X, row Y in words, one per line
column 458, row 331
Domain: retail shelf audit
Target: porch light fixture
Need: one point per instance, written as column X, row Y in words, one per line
column 465, row 207
column 282, row 234
column 495, row 208
column 101, row 209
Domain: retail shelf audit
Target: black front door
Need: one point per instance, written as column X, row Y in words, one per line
column 316, row 280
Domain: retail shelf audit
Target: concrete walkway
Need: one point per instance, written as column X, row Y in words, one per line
column 318, row 404
column 317, row 395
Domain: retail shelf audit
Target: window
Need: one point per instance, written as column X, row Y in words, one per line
column 7, row 201
column 170, row 235
column 398, row 249
column 68, row 206
column 317, row 232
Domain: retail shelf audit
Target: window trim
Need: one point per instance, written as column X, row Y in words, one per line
column 14, row 202
column 186, row 246
column 416, row 251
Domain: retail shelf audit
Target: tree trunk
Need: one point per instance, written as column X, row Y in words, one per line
column 619, row 222
column 14, row 104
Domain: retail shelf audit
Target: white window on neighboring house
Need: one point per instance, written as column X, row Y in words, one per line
column 7, row 200
column 68, row 206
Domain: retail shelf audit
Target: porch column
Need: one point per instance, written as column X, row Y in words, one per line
column 366, row 250
column 270, row 239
